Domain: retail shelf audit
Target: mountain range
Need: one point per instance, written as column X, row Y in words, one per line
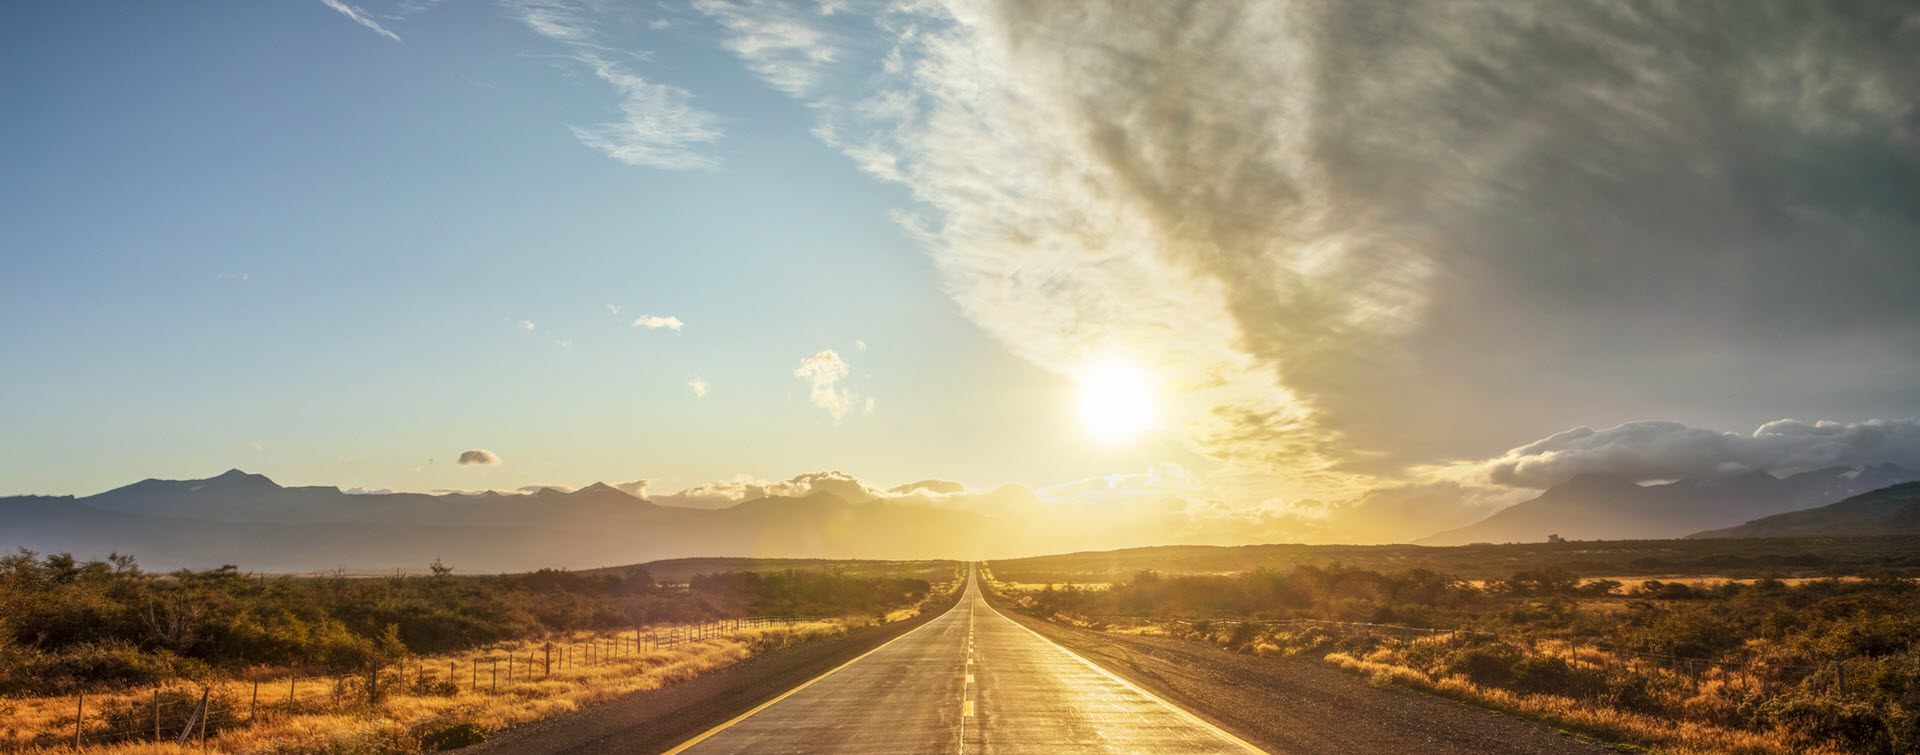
column 1596, row 507
column 249, row 520
column 1892, row 510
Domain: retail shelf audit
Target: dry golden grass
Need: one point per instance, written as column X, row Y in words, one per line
column 1683, row 737
column 393, row 725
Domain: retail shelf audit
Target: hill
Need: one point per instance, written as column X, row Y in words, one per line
column 1595, row 507
column 1888, row 511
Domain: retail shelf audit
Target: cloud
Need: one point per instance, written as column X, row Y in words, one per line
column 659, row 127
column 659, row 124
column 1669, row 450
column 479, row 456
column 360, row 18
column 1364, row 238
column 652, row 322
column 777, row 41
column 822, row 372
column 742, row 488
column 699, row 387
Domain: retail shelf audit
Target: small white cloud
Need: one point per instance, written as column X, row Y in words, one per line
column 479, row 456
column 699, row 387
column 360, row 18
column 822, row 372
column 652, row 322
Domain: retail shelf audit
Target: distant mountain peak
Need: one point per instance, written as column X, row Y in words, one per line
column 237, row 477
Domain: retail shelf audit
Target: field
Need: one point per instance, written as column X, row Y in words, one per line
column 1730, row 558
column 682, row 570
column 1690, row 665
column 106, row 655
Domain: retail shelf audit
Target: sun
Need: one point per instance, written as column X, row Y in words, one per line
column 1116, row 401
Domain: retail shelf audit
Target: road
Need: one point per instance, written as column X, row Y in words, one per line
column 969, row 681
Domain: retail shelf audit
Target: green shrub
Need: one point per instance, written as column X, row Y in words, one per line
column 454, row 737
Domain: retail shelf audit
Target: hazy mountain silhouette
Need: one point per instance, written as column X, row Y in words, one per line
column 249, row 520
column 1594, row 507
column 1888, row 511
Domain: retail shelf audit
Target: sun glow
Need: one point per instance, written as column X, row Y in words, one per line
column 1116, row 401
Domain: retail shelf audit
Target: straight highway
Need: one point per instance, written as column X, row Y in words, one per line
column 969, row 681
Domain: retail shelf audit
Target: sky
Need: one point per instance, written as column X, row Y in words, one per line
column 1299, row 270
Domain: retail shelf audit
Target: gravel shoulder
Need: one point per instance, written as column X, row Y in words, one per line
column 1303, row 705
column 657, row 720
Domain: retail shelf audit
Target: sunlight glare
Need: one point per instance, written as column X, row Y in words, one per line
column 1116, row 401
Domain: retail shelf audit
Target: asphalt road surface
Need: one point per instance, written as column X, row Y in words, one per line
column 969, row 681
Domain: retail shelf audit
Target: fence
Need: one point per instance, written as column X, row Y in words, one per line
column 166, row 713
column 1758, row 677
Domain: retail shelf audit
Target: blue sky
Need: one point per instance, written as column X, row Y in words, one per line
column 1373, row 266
column 261, row 223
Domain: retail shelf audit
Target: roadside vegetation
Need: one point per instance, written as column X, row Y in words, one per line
column 1754, row 666
column 1743, row 558
column 377, row 665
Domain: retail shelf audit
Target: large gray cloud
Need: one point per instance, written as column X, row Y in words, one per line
column 1365, row 236
column 1670, row 450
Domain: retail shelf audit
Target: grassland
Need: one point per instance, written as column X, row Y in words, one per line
column 1686, row 666
column 339, row 664
column 1729, row 558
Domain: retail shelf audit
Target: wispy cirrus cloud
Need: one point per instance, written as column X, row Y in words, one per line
column 659, row 126
column 778, row 41
column 360, row 17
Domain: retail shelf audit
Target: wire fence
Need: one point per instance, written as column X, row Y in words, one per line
column 1756, row 676
column 187, row 713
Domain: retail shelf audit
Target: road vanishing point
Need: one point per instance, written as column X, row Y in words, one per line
column 969, row 681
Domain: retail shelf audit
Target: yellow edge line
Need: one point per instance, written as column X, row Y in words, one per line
column 1130, row 685
column 784, row 695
